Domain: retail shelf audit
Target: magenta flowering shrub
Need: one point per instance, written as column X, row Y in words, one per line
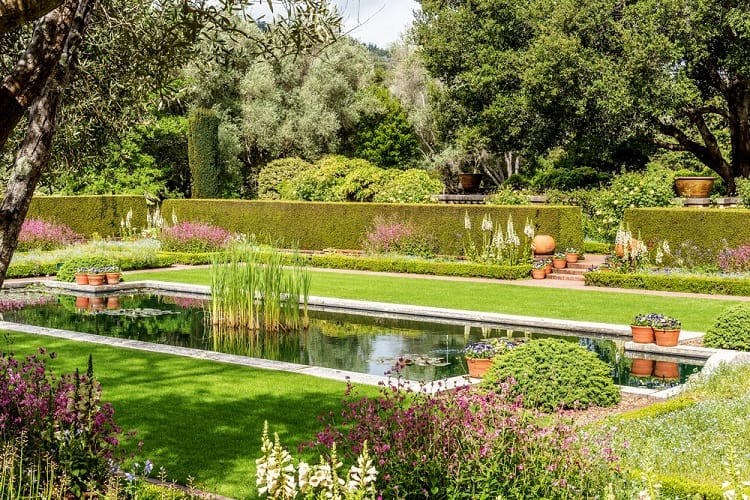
column 470, row 443
column 37, row 234
column 58, row 420
column 194, row 237
column 399, row 237
column 735, row 260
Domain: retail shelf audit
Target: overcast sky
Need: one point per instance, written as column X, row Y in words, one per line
column 380, row 21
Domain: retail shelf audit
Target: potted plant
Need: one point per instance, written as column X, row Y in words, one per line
column 559, row 261
column 641, row 327
column 667, row 331
column 539, row 270
column 547, row 265
column 479, row 355
column 571, row 254
column 692, row 184
column 81, row 276
column 112, row 275
column 96, row 276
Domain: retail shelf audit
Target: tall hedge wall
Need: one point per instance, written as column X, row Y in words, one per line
column 87, row 215
column 315, row 226
column 703, row 227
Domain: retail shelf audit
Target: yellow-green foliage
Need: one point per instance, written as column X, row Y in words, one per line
column 318, row 225
column 703, row 227
column 89, row 215
column 717, row 285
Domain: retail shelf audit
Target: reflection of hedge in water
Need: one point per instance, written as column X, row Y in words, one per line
column 257, row 344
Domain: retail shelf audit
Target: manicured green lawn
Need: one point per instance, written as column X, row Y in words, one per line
column 584, row 305
column 198, row 418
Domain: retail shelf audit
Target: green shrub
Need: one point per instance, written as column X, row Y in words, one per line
column 717, row 285
column 409, row 186
column 731, row 330
column 505, row 195
column 275, row 177
column 364, row 182
column 743, row 190
column 324, row 182
column 552, row 373
column 203, row 153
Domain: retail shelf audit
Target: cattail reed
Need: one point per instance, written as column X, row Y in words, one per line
column 252, row 291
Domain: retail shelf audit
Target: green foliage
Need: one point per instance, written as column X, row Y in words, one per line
column 203, row 153
column 731, row 329
column 69, row 267
column 384, row 135
column 551, row 373
column 365, row 182
column 89, row 215
column 567, row 177
column 505, row 195
column 703, row 228
column 717, row 285
column 657, row 409
column 605, row 209
column 277, row 174
column 409, row 186
column 597, row 247
column 325, row 181
column 743, row 190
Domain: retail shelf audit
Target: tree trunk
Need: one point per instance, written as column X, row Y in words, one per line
column 29, row 76
column 36, row 148
column 14, row 13
column 27, row 169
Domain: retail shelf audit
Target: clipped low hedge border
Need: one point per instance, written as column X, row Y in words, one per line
column 381, row 264
column 713, row 285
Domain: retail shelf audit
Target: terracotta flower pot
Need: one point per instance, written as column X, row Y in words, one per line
column 571, row 257
column 113, row 302
column 538, row 274
column 548, row 268
column 620, row 251
column 667, row 338
column 478, row 367
column 559, row 263
column 82, row 279
column 666, row 369
column 642, row 334
column 112, row 278
column 97, row 303
column 642, row 367
column 96, row 279
column 82, row 302
column 543, row 244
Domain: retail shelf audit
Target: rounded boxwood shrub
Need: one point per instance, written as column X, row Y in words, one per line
column 552, row 373
column 731, row 330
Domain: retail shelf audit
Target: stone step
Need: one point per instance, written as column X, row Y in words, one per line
column 569, row 271
column 565, row 277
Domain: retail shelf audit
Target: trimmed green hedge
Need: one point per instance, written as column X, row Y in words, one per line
column 90, row 215
column 703, row 227
column 385, row 264
column 714, row 285
column 317, row 225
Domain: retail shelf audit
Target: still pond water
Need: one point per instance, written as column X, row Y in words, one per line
column 358, row 343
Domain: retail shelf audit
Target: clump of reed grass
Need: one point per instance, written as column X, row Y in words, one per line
column 253, row 290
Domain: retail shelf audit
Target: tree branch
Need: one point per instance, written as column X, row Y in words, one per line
column 14, row 13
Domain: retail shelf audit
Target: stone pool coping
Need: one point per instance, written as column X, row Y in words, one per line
column 711, row 358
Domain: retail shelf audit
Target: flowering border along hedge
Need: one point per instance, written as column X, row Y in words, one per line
column 384, row 264
column 714, row 285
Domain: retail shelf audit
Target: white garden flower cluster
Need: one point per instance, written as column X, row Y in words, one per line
column 276, row 476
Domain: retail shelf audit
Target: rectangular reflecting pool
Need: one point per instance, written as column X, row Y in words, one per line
column 351, row 342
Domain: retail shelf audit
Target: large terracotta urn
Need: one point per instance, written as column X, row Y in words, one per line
column 469, row 182
column 543, row 244
column 693, row 187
